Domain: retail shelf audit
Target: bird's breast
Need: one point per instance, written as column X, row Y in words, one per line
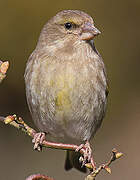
column 69, row 99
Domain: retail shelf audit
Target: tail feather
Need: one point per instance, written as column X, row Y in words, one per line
column 72, row 160
column 68, row 163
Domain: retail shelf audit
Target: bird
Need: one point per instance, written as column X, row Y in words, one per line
column 66, row 82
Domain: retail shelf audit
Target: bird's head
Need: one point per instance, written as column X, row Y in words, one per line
column 69, row 25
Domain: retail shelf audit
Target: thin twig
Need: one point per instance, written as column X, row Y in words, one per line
column 39, row 177
column 20, row 124
column 115, row 155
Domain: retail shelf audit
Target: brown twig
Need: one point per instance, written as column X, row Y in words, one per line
column 38, row 177
column 20, row 124
column 115, row 155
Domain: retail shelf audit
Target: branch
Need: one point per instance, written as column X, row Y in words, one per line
column 115, row 155
column 20, row 124
column 38, row 177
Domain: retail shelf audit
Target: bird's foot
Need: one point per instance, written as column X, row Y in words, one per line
column 87, row 156
column 38, row 140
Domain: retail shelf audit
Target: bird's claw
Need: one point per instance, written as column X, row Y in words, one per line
column 38, row 140
column 87, row 156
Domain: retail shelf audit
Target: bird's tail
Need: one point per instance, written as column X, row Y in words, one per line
column 72, row 160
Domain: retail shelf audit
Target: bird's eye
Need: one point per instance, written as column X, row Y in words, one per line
column 68, row 25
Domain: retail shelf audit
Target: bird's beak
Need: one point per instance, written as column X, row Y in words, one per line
column 89, row 31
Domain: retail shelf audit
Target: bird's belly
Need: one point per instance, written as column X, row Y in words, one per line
column 70, row 105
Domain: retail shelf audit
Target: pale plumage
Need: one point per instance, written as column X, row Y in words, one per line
column 65, row 80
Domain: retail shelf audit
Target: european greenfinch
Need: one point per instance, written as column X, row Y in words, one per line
column 66, row 83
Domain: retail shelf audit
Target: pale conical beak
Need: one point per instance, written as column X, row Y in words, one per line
column 89, row 31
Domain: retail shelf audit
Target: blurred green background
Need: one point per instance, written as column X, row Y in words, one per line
column 119, row 22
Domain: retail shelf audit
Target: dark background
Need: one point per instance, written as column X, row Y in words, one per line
column 119, row 45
